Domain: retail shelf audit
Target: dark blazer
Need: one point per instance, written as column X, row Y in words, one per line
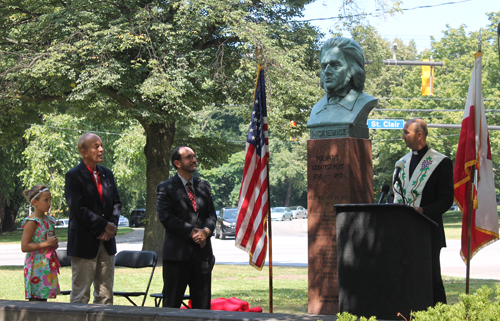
column 177, row 215
column 88, row 215
column 437, row 198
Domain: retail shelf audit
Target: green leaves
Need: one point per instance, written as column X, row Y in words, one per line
column 130, row 168
column 477, row 306
column 49, row 154
column 399, row 90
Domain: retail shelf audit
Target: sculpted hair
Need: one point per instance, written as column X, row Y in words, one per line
column 29, row 193
column 354, row 56
column 82, row 142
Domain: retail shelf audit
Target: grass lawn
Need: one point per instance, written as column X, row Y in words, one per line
column 61, row 233
column 452, row 221
column 455, row 286
column 241, row 281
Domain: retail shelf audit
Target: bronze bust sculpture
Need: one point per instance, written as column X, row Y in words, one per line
column 343, row 111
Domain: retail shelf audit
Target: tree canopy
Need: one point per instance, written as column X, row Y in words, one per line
column 156, row 62
column 399, row 90
column 154, row 75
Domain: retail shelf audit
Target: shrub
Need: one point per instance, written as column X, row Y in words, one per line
column 472, row 307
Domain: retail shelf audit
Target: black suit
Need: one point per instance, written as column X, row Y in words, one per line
column 185, row 262
column 88, row 215
column 437, row 198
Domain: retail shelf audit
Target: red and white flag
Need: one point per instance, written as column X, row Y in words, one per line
column 474, row 149
column 251, row 226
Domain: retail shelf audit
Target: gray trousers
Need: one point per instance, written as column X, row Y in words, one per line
column 100, row 271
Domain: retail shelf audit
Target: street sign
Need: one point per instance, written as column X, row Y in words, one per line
column 385, row 123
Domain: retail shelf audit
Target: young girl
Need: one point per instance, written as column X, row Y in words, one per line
column 41, row 265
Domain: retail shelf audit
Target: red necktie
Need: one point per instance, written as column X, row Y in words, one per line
column 191, row 195
column 99, row 185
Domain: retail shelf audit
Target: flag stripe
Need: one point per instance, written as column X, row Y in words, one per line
column 251, row 233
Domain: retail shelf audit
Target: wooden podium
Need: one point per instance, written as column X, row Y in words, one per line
column 384, row 260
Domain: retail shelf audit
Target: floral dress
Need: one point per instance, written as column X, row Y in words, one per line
column 42, row 266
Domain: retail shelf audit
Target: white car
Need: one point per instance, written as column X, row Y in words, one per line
column 298, row 211
column 62, row 223
column 123, row 221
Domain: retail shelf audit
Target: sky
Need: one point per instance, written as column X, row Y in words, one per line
column 416, row 24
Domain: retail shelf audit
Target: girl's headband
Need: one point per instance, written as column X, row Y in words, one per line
column 38, row 194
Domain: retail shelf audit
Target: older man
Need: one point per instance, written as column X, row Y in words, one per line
column 186, row 209
column 343, row 79
column 94, row 210
column 427, row 179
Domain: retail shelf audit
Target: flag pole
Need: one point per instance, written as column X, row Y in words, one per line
column 258, row 56
column 469, row 229
column 471, row 205
column 270, row 235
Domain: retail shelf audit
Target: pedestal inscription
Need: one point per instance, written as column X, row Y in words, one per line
column 339, row 171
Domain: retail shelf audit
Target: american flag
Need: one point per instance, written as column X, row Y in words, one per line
column 251, row 225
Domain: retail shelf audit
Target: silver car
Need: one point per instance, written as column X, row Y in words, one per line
column 123, row 221
column 281, row 214
column 298, row 211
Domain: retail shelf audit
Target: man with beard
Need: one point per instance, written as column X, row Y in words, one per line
column 345, row 105
column 186, row 209
column 427, row 181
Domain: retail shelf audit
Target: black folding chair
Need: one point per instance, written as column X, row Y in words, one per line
column 64, row 260
column 135, row 260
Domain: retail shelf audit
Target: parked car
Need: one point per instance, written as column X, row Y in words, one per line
column 454, row 207
column 298, row 211
column 281, row 214
column 62, row 223
column 226, row 223
column 136, row 217
column 123, row 221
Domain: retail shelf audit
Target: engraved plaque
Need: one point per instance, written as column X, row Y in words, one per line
column 339, row 171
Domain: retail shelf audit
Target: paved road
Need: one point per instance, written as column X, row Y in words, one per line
column 290, row 248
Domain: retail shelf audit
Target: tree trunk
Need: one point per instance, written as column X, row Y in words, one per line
column 289, row 192
column 8, row 222
column 159, row 140
column 2, row 212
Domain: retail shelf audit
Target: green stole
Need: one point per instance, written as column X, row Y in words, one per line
column 413, row 186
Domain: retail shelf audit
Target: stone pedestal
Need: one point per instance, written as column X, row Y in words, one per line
column 339, row 171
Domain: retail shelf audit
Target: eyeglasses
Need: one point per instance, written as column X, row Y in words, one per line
column 190, row 157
